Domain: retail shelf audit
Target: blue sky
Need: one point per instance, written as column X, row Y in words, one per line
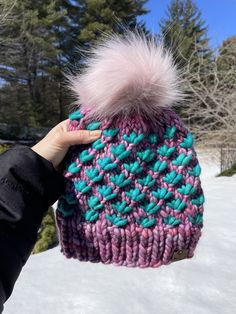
column 220, row 17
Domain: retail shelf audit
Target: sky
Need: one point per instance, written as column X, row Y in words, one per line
column 220, row 17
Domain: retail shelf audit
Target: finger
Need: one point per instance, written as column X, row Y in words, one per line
column 64, row 125
column 79, row 137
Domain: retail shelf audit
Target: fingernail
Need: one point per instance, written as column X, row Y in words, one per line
column 95, row 133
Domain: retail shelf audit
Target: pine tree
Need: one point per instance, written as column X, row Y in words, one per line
column 42, row 43
column 184, row 31
column 47, row 236
column 86, row 21
column 28, row 56
column 227, row 54
column 6, row 7
column 106, row 15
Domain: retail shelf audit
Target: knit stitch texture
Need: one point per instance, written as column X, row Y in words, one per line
column 133, row 197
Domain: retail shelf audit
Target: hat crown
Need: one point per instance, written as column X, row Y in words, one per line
column 133, row 197
column 133, row 176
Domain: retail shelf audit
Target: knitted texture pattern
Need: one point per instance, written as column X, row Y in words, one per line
column 133, row 197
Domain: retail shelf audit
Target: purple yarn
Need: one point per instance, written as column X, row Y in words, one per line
column 134, row 243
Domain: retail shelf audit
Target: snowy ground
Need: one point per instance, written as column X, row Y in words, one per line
column 205, row 284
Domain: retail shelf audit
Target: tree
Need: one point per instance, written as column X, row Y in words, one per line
column 210, row 111
column 227, row 54
column 184, row 31
column 47, row 236
column 6, row 7
column 86, row 21
column 28, row 56
column 226, row 64
column 185, row 34
column 42, row 43
column 103, row 16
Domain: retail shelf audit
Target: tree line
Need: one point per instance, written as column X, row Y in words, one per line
column 41, row 40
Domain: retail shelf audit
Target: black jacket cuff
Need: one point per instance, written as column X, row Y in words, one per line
column 29, row 184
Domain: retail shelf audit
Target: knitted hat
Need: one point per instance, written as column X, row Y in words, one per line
column 133, row 197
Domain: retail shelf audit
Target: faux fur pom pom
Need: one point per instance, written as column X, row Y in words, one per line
column 126, row 74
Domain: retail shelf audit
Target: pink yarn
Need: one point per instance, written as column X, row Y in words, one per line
column 133, row 197
column 131, row 245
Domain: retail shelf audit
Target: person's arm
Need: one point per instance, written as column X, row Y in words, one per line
column 29, row 184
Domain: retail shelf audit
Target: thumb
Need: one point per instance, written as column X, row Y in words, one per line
column 79, row 137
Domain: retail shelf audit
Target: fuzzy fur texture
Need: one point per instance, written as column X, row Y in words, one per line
column 124, row 75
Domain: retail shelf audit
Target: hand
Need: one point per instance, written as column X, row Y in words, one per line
column 56, row 143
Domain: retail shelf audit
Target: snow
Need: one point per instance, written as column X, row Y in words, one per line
column 205, row 284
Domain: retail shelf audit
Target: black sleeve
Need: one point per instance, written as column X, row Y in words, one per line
column 29, row 184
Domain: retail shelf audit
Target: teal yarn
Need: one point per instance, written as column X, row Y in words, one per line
column 165, row 150
column 76, row 115
column 127, row 182
column 199, row 200
column 162, row 193
column 187, row 189
column 73, row 168
column 70, row 199
column 147, row 181
column 182, row 160
column 120, row 180
column 91, row 215
column 152, row 138
column 119, row 151
column 159, row 166
column 146, row 155
column 172, row 177
column 93, row 126
column 177, row 204
column 82, row 187
column 98, row 145
column 93, row 174
column 65, row 209
column 106, row 192
column 133, row 197
column 170, row 132
column 118, row 221
column 133, row 167
column 94, row 203
column 188, row 141
column 195, row 171
column 85, row 156
column 110, row 132
column 151, row 208
column 197, row 219
column 133, row 137
column 135, row 194
column 106, row 163
column 170, row 220
column 121, row 207
column 146, row 223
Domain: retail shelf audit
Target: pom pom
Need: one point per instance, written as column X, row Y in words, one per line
column 127, row 74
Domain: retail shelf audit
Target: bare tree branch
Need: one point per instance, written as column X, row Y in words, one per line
column 210, row 110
